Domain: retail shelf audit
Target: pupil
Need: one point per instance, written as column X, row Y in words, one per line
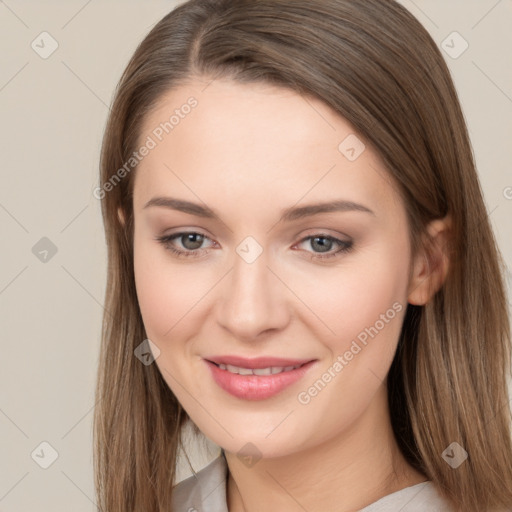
column 323, row 246
column 195, row 238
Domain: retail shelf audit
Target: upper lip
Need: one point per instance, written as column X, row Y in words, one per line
column 257, row 362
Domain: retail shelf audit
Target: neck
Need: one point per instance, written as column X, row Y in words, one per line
column 348, row 472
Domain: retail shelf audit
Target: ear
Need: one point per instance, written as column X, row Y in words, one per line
column 430, row 265
column 120, row 214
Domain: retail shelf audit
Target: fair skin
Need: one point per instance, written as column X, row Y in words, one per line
column 248, row 152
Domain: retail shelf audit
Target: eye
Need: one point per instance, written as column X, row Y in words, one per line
column 324, row 244
column 191, row 245
column 191, row 242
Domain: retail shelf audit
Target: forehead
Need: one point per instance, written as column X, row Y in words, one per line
column 266, row 144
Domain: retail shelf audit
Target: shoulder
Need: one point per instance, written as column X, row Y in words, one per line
column 422, row 497
column 204, row 491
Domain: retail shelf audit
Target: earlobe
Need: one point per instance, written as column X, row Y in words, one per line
column 431, row 264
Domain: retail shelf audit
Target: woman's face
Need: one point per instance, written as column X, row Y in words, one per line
column 263, row 270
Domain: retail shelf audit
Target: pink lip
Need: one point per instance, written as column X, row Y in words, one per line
column 257, row 362
column 257, row 387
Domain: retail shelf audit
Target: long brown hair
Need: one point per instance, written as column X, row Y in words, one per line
column 376, row 65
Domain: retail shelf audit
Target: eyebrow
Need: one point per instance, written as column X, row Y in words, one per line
column 290, row 214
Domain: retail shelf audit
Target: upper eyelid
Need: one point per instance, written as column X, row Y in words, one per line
column 178, row 235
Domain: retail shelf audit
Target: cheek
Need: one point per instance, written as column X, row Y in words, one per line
column 153, row 305
column 364, row 303
column 358, row 291
column 176, row 301
column 166, row 293
column 362, row 299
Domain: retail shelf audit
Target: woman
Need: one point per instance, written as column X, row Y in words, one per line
column 301, row 264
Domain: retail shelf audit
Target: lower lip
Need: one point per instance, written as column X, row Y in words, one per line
column 256, row 387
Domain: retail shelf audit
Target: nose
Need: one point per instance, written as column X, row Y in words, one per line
column 253, row 300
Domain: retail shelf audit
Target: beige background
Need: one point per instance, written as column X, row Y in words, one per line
column 53, row 113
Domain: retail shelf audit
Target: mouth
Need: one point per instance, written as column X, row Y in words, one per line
column 269, row 370
column 257, row 382
column 256, row 363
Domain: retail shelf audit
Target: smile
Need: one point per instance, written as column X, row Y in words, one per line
column 256, row 383
column 271, row 370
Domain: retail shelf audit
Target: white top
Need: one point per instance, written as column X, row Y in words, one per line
column 206, row 492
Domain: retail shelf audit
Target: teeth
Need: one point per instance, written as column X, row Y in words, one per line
column 262, row 371
column 257, row 371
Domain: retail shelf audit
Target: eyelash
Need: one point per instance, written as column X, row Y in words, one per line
column 346, row 246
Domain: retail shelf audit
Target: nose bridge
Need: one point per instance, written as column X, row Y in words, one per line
column 252, row 300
